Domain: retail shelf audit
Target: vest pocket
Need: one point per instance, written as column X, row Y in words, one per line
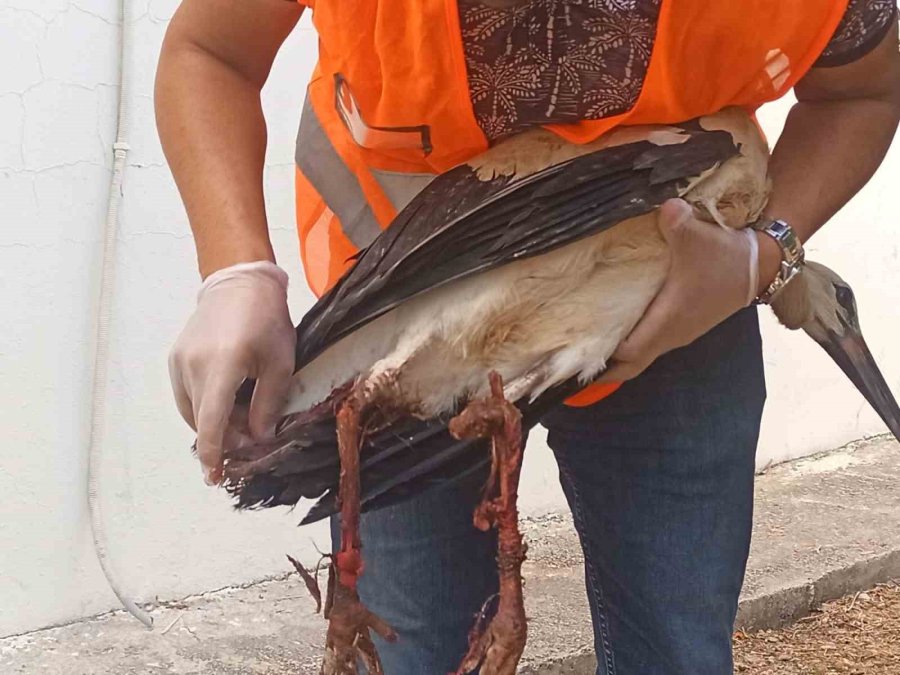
column 377, row 138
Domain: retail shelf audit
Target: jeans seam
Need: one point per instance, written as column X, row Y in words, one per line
column 603, row 622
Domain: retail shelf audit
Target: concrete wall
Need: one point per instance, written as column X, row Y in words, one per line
column 169, row 535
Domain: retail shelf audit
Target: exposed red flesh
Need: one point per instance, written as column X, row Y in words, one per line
column 349, row 437
column 350, row 623
column 497, row 647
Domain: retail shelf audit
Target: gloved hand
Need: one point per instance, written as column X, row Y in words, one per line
column 241, row 328
column 714, row 272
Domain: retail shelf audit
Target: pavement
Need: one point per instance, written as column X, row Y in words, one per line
column 825, row 526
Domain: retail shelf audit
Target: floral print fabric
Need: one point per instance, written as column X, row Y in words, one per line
column 537, row 62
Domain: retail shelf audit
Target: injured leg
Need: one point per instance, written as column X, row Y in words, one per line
column 349, row 639
column 497, row 646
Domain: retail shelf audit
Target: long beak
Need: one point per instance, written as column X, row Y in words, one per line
column 852, row 354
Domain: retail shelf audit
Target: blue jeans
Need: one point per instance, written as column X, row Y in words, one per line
column 659, row 478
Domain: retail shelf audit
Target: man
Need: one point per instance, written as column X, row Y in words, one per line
column 659, row 476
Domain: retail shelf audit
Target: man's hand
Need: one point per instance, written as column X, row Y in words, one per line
column 711, row 276
column 240, row 329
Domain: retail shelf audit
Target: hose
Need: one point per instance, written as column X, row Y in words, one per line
column 101, row 348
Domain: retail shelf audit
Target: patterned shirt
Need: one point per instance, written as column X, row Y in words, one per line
column 536, row 62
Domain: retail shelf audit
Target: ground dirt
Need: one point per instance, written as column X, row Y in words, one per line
column 856, row 635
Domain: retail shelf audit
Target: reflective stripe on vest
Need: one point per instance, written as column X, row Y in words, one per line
column 335, row 219
column 400, row 188
column 319, row 162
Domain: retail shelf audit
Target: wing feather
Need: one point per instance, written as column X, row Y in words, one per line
column 462, row 225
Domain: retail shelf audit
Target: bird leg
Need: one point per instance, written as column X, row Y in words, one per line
column 348, row 639
column 497, row 646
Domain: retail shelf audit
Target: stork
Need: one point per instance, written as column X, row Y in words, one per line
column 498, row 292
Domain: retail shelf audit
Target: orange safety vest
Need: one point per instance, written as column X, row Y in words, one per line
column 388, row 105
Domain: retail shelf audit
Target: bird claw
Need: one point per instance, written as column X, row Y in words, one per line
column 496, row 646
column 348, row 640
column 350, row 627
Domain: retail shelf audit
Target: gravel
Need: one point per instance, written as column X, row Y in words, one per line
column 856, row 635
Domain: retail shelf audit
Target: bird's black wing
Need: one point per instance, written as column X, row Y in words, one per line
column 458, row 226
column 461, row 225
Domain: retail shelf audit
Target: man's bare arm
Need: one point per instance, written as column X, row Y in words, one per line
column 215, row 59
column 836, row 136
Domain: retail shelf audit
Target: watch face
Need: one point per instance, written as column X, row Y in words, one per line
column 779, row 227
column 787, row 239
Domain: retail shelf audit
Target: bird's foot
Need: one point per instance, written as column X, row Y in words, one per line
column 350, row 623
column 496, row 645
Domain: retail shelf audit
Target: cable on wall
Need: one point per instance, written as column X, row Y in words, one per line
column 104, row 312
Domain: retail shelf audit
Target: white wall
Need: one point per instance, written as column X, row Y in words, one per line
column 169, row 535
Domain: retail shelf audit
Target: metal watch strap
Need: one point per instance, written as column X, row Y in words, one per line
column 792, row 256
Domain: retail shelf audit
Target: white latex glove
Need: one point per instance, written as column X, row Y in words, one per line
column 715, row 271
column 240, row 329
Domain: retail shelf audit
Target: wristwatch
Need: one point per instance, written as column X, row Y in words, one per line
column 792, row 256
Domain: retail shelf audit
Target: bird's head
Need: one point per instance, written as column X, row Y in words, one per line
column 824, row 306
